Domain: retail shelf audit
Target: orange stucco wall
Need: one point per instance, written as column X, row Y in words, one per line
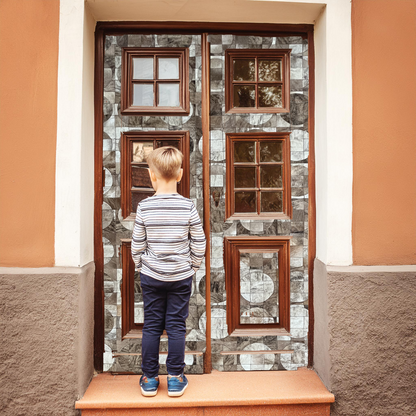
column 384, row 131
column 29, row 33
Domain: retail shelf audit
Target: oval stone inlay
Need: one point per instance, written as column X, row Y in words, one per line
column 253, row 362
column 261, row 286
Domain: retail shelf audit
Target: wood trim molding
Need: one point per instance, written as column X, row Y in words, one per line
column 312, row 195
column 196, row 353
column 233, row 246
column 98, row 201
column 265, row 29
column 126, row 140
column 129, row 329
column 248, row 352
column 205, row 52
column 306, row 31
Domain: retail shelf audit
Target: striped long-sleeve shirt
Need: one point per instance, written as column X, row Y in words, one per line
column 168, row 240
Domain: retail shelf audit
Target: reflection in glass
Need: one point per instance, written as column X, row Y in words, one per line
column 271, row 151
column 270, row 70
column 270, row 96
column 244, row 96
column 163, row 143
column 140, row 177
column 168, row 95
column 141, row 150
column 245, row 177
column 245, row 201
column 244, row 70
column 143, row 95
column 259, row 288
column 142, row 68
column 168, row 68
column 138, row 300
column 271, row 176
column 244, row 151
column 137, row 196
column 271, row 201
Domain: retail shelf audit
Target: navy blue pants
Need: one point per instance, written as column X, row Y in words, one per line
column 166, row 306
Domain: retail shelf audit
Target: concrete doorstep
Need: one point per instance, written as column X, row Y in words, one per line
column 284, row 393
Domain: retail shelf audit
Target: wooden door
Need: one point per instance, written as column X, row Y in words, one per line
column 259, row 202
column 246, row 168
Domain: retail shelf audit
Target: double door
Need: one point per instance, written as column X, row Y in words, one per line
column 250, row 187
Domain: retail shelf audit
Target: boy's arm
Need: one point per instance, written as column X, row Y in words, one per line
column 138, row 243
column 197, row 240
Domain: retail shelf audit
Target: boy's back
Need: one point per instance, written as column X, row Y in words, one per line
column 168, row 247
column 168, row 240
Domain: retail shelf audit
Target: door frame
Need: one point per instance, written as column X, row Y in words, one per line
column 199, row 28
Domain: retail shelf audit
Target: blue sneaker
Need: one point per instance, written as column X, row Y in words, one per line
column 177, row 385
column 149, row 385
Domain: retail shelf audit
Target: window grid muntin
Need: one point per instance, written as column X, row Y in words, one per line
column 127, row 106
column 285, row 189
column 257, row 164
column 282, row 55
column 156, row 80
column 256, row 81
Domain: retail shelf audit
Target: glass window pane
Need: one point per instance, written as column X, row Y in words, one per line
column 244, row 177
column 271, row 151
column 271, row 176
column 138, row 300
column 168, row 68
column 244, row 96
column 270, row 96
column 142, row 68
column 141, row 151
column 245, row 201
column 140, row 177
column 259, row 288
column 244, row 70
column 168, row 95
column 163, row 143
column 271, row 201
column 136, row 197
column 244, row 151
column 143, row 95
column 270, row 70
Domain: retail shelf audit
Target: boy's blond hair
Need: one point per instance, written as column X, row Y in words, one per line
column 166, row 161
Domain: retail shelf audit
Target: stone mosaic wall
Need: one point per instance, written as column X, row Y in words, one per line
column 115, row 228
column 297, row 123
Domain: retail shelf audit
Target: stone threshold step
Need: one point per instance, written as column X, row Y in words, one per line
column 251, row 393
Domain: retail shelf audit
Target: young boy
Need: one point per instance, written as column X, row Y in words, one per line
column 168, row 247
